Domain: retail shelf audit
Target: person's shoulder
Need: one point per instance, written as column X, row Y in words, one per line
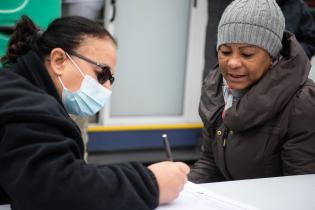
column 293, row 5
column 301, row 116
column 289, row 2
column 304, row 100
column 19, row 95
column 306, row 92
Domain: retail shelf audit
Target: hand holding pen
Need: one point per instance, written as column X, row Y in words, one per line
column 170, row 176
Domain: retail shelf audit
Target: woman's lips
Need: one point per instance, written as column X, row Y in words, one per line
column 236, row 77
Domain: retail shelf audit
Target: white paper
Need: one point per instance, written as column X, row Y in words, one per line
column 198, row 198
column 5, row 207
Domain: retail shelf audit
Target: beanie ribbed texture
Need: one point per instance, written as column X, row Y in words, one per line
column 257, row 22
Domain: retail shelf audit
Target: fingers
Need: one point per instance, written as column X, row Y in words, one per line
column 183, row 167
column 171, row 178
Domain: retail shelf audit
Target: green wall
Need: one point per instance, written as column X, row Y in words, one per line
column 42, row 12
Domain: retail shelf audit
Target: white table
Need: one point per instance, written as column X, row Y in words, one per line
column 279, row 193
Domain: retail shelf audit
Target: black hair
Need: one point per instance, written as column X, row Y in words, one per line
column 65, row 32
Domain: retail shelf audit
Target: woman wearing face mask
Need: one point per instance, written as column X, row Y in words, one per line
column 47, row 75
column 257, row 106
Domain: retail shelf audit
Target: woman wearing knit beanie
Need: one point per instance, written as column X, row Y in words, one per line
column 258, row 105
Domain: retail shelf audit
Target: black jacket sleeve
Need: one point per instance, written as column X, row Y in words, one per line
column 41, row 169
column 306, row 34
column 299, row 21
column 3, row 197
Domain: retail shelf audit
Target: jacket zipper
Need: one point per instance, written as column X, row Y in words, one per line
column 225, row 135
column 224, row 144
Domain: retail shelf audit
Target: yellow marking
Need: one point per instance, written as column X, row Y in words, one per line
column 178, row 126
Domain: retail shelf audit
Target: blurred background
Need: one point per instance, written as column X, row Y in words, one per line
column 161, row 45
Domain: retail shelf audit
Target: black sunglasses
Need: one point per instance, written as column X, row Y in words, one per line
column 102, row 76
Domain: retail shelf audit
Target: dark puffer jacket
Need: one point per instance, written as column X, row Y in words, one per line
column 269, row 132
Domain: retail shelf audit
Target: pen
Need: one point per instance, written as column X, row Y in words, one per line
column 167, row 147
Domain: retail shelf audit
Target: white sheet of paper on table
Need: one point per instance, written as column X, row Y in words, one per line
column 198, row 198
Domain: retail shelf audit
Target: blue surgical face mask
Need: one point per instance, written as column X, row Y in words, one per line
column 88, row 99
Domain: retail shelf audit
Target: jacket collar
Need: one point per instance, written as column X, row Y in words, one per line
column 272, row 93
column 31, row 67
column 212, row 102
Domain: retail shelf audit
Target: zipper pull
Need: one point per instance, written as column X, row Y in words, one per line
column 224, row 143
column 225, row 134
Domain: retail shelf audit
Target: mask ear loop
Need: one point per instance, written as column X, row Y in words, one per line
column 63, row 86
column 72, row 61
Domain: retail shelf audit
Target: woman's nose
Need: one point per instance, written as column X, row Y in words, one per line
column 234, row 62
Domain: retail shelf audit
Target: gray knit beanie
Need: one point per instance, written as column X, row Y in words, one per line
column 257, row 22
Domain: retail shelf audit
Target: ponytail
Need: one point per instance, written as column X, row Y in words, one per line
column 23, row 37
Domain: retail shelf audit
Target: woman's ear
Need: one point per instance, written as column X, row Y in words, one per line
column 58, row 60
